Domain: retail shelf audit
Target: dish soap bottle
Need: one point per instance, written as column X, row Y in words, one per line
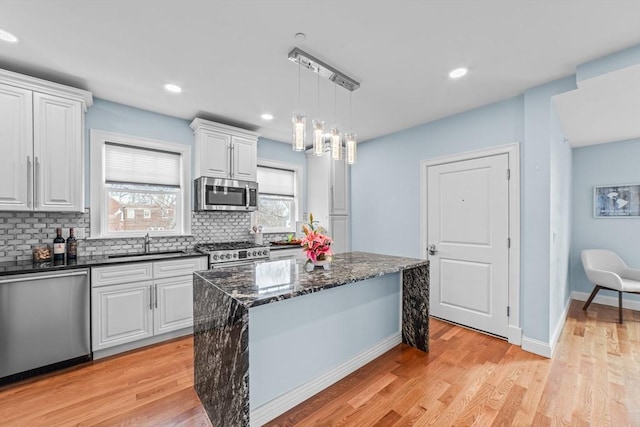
column 58, row 246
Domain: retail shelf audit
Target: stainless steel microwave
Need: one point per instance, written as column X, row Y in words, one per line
column 218, row 194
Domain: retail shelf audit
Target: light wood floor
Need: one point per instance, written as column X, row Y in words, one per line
column 466, row 379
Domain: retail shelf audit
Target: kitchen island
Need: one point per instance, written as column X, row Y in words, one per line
column 270, row 334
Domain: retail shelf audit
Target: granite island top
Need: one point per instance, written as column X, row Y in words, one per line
column 275, row 280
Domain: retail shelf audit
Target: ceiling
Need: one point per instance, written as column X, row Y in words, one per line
column 603, row 109
column 230, row 57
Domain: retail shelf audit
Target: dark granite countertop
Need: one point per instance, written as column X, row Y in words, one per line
column 264, row 282
column 28, row 266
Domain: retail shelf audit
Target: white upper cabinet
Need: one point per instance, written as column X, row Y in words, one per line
column 328, row 191
column 328, row 197
column 224, row 151
column 16, row 145
column 41, row 137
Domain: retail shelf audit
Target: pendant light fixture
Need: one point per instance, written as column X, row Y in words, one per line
column 338, row 78
column 299, row 124
column 335, row 138
column 351, row 145
column 318, row 129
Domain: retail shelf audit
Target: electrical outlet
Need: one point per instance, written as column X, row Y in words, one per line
column 80, row 233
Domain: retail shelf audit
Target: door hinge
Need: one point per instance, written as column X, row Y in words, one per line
column 508, row 311
column 508, row 174
column 509, row 242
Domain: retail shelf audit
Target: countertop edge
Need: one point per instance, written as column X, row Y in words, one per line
column 83, row 262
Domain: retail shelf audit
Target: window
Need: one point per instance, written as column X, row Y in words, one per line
column 130, row 174
column 279, row 195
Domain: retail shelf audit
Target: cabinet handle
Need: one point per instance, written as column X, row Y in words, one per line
column 333, row 197
column 29, row 182
column 35, row 184
column 155, row 292
column 231, row 153
column 150, row 298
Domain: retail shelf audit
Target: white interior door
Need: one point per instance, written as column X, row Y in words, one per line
column 468, row 226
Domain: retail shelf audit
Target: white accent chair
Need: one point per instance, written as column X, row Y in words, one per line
column 606, row 270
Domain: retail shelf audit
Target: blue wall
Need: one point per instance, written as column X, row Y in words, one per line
column 536, row 212
column 560, row 221
column 609, row 63
column 120, row 118
column 274, row 150
column 385, row 183
column 613, row 163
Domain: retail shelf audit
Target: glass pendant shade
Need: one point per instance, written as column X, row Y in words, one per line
column 351, row 148
column 336, row 144
column 299, row 131
column 318, row 137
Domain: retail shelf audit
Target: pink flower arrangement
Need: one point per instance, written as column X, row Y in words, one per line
column 316, row 245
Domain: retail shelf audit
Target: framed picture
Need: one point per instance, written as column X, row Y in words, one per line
column 616, row 201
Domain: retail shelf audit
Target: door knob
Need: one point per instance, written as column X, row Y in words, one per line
column 432, row 249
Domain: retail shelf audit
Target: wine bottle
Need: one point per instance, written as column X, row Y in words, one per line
column 58, row 245
column 72, row 245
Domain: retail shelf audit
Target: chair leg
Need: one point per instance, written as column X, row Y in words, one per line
column 591, row 297
column 620, row 305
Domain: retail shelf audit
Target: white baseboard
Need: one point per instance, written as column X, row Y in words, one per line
column 555, row 335
column 514, row 335
column 283, row 403
column 100, row 354
column 537, row 347
column 542, row 348
column 607, row 300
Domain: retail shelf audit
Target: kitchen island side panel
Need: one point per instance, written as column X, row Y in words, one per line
column 221, row 354
column 415, row 307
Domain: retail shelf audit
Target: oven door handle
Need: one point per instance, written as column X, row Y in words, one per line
column 231, row 264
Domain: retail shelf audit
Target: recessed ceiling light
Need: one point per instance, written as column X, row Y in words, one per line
column 458, row 72
column 173, row 88
column 8, row 37
column 267, row 116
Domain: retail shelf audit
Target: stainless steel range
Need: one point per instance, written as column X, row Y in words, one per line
column 225, row 254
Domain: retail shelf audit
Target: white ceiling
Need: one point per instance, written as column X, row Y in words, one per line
column 603, row 109
column 230, row 57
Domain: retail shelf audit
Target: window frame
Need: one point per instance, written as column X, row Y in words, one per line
column 297, row 194
column 99, row 207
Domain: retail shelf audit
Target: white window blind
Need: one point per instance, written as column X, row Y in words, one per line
column 276, row 181
column 129, row 164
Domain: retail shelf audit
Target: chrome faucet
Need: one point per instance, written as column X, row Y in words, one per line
column 147, row 243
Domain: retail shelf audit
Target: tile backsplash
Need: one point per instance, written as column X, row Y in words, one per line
column 20, row 231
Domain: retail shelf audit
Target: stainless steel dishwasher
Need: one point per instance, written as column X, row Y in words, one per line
column 44, row 322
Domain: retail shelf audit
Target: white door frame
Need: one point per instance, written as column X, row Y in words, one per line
column 513, row 152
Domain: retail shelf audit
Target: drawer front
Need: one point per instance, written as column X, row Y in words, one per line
column 178, row 267
column 121, row 273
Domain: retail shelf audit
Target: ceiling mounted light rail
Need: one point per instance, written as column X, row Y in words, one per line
column 317, row 66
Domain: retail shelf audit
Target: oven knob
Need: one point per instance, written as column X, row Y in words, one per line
column 235, row 256
column 254, row 253
column 228, row 256
column 215, row 257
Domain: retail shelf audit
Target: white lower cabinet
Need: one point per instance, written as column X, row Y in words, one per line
column 139, row 301
column 173, row 304
column 121, row 314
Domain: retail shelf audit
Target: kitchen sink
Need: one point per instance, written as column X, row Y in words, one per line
column 149, row 254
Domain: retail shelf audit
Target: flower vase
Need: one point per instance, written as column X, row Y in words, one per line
column 311, row 265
